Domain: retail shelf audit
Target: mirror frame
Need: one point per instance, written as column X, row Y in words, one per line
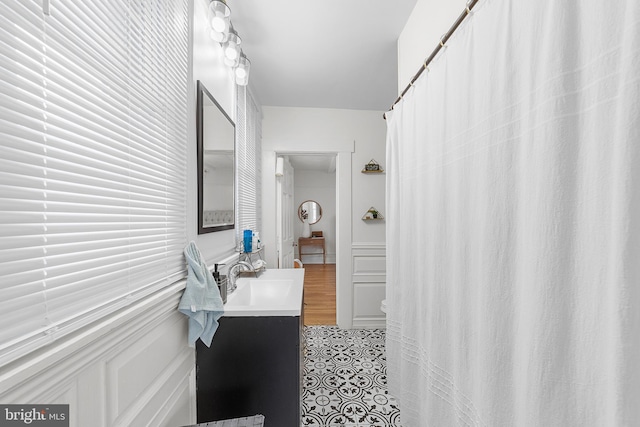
column 201, row 93
column 300, row 211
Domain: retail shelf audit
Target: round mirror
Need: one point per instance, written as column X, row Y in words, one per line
column 310, row 210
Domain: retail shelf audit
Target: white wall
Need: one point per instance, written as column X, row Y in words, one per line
column 321, row 187
column 357, row 136
column 315, row 129
column 429, row 20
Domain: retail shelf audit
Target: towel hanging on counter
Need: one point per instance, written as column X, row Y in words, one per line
column 201, row 300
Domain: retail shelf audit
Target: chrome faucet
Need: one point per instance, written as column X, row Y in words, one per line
column 234, row 271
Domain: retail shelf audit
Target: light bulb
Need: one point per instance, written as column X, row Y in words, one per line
column 231, row 52
column 242, row 70
column 218, row 37
column 231, row 63
column 219, row 14
column 219, row 24
column 232, row 47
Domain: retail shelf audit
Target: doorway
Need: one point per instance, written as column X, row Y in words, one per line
column 310, row 180
column 343, row 151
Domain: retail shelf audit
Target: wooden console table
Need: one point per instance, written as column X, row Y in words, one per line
column 312, row 241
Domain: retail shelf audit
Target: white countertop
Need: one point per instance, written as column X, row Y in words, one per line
column 276, row 292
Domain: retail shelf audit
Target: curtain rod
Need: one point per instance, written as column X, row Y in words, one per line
column 443, row 41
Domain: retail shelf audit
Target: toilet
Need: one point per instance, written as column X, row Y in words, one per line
column 383, row 306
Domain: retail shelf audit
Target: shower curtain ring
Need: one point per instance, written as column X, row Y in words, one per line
column 468, row 8
column 441, row 42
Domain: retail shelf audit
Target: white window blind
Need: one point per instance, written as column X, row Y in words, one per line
column 249, row 157
column 93, row 125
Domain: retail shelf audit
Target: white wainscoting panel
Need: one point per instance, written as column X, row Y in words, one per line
column 369, row 284
column 143, row 363
column 131, row 369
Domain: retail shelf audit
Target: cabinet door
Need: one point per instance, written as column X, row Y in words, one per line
column 252, row 367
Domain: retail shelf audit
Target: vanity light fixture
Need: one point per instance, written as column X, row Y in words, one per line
column 242, row 70
column 219, row 20
column 218, row 37
column 222, row 31
column 231, row 48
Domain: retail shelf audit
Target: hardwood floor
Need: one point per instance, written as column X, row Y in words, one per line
column 319, row 294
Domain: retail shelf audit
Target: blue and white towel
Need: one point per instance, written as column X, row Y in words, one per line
column 201, row 300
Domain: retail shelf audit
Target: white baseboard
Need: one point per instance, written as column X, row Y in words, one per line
column 370, row 323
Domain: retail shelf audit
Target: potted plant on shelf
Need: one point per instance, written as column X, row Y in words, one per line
column 374, row 213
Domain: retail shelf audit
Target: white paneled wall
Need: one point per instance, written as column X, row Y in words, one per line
column 369, row 282
column 133, row 369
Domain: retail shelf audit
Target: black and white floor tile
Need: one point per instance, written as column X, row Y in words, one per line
column 345, row 379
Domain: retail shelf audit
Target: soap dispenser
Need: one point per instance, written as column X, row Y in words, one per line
column 221, row 281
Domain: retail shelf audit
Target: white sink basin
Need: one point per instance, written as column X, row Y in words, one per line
column 276, row 292
column 263, row 292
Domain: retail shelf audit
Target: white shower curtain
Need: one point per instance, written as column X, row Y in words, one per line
column 513, row 215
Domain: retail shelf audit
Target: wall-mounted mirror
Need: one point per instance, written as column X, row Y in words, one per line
column 310, row 210
column 216, row 158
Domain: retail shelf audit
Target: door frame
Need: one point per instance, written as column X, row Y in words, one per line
column 343, row 152
column 282, row 215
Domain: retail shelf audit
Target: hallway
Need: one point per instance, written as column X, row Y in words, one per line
column 319, row 294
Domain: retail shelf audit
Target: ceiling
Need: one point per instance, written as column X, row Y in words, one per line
column 313, row 162
column 324, row 54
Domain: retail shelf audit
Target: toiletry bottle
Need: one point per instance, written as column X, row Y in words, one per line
column 248, row 240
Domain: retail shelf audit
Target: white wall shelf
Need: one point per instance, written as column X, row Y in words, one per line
column 372, row 215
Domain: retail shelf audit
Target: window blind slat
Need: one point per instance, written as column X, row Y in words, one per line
column 93, row 119
column 248, row 166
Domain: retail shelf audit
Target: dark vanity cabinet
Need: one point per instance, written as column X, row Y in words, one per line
column 252, row 367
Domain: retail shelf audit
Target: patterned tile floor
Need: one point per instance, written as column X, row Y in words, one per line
column 345, row 379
